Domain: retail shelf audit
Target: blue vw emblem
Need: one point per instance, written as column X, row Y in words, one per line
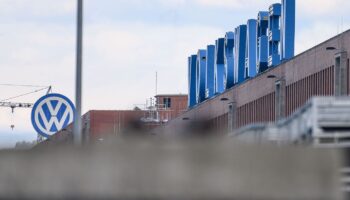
column 52, row 113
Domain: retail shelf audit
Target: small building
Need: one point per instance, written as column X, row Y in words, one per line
column 170, row 106
column 100, row 124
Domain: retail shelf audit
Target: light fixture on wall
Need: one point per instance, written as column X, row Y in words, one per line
column 271, row 76
column 331, row 48
column 224, row 99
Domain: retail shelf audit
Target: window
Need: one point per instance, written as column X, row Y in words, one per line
column 167, row 102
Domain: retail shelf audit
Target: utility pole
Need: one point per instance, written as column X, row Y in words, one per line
column 77, row 129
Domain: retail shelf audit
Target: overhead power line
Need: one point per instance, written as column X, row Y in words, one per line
column 21, row 95
column 17, row 85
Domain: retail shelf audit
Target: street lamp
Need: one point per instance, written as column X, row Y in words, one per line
column 224, row 99
column 271, row 76
column 331, row 48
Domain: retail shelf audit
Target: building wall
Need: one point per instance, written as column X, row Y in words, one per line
column 308, row 74
column 101, row 123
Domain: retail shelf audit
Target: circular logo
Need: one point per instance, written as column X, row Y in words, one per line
column 52, row 113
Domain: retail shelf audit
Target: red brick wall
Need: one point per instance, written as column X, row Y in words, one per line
column 111, row 122
column 178, row 106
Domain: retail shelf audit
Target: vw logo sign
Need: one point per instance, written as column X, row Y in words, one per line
column 52, row 113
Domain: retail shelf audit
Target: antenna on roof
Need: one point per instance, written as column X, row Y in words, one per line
column 156, row 83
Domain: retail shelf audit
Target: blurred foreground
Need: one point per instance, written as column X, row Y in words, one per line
column 155, row 168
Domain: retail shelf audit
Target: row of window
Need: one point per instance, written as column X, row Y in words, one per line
column 319, row 84
column 258, row 111
column 297, row 94
column 220, row 124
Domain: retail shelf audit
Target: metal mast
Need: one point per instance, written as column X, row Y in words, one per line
column 77, row 130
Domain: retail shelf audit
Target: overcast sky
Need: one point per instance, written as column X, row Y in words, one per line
column 125, row 43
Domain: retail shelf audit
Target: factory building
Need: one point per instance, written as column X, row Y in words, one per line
column 275, row 93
